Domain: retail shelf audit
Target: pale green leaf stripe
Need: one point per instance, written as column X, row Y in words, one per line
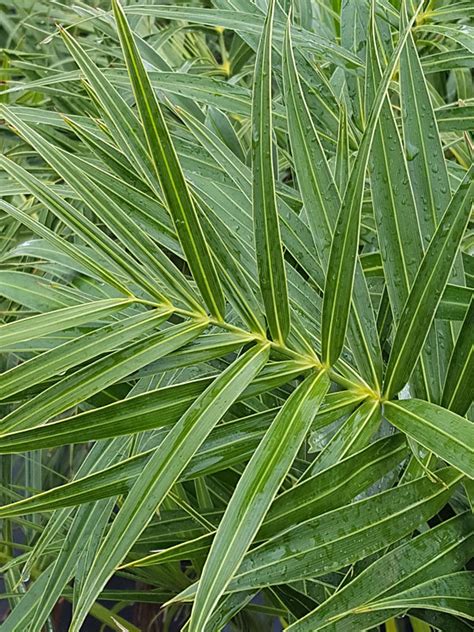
column 92, row 379
column 254, row 494
column 450, row 593
column 65, row 246
column 444, row 548
column 454, row 302
column 60, row 77
column 448, row 60
column 74, row 352
column 342, row 169
column 428, row 287
column 344, row 248
column 59, row 320
column 268, row 244
column 458, row 388
column 441, row 431
column 340, row 537
column 162, row 471
column 335, row 406
column 170, row 175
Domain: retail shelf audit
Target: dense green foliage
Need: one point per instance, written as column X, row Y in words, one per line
column 236, row 314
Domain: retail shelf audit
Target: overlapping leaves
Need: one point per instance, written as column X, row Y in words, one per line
column 237, row 315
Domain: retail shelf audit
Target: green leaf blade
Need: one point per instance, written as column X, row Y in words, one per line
column 170, row 175
column 255, row 492
column 163, row 469
column 269, row 251
column 448, row 435
column 428, row 287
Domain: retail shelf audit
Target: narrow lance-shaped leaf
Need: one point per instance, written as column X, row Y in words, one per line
column 450, row 593
column 271, row 267
column 396, row 218
column 58, row 320
column 335, row 539
column 67, row 247
column 426, row 162
column 322, row 201
column 441, row 431
column 254, row 494
column 428, row 177
column 458, row 388
column 344, row 248
column 444, row 548
column 394, row 206
column 428, row 287
column 79, row 223
column 169, row 172
column 354, row 21
column 315, row 180
column 91, row 379
column 74, row 352
column 163, row 469
column 354, row 434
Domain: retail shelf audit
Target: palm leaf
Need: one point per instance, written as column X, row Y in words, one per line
column 158, row 475
column 236, row 283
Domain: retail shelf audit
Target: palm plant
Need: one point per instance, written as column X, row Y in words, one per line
column 237, row 314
